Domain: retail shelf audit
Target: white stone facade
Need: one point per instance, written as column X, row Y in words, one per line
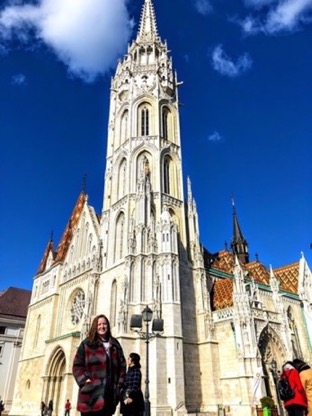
column 145, row 250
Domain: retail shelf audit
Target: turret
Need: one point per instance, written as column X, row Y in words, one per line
column 239, row 243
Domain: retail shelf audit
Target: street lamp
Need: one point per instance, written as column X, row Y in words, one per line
column 157, row 330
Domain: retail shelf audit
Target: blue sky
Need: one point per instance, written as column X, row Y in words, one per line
column 246, row 101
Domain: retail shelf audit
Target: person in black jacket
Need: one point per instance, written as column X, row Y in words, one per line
column 1, row 407
column 132, row 402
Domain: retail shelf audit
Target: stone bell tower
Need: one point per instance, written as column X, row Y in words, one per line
column 150, row 253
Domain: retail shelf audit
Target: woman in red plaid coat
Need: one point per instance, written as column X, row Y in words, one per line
column 99, row 369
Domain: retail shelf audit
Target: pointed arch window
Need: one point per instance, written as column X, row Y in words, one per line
column 119, row 237
column 37, row 330
column 144, row 121
column 124, row 127
column 143, row 166
column 165, row 117
column 113, row 309
column 122, row 179
column 131, row 283
column 166, row 175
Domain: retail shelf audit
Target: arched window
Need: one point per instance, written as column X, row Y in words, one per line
column 124, row 127
column 37, row 331
column 165, row 115
column 131, row 283
column 166, row 175
column 113, row 309
column 119, row 237
column 142, row 165
column 122, row 179
column 144, row 121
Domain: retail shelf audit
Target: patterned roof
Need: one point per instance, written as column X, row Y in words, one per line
column 222, row 293
column 288, row 277
column 258, row 272
column 14, row 302
column 67, row 236
column 71, row 225
column 224, row 261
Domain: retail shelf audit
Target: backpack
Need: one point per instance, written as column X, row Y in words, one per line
column 284, row 390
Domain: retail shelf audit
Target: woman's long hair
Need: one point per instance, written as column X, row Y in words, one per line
column 93, row 335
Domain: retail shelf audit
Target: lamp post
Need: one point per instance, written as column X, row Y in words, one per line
column 157, row 330
column 275, row 378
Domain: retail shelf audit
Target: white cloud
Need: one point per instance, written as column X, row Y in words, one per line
column 18, row 79
column 203, row 6
column 87, row 35
column 226, row 66
column 288, row 15
column 215, row 137
column 280, row 16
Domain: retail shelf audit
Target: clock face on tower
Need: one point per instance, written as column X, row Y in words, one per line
column 77, row 307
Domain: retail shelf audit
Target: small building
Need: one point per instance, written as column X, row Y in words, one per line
column 13, row 311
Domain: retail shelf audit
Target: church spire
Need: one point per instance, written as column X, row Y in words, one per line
column 239, row 243
column 148, row 26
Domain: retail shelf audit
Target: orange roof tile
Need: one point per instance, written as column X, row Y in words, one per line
column 67, row 235
column 224, row 261
column 222, row 294
column 258, row 272
column 288, row 277
column 71, row 225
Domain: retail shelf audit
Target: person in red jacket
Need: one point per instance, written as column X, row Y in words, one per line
column 99, row 369
column 296, row 406
column 67, row 408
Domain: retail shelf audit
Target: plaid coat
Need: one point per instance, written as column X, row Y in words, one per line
column 106, row 375
column 133, row 390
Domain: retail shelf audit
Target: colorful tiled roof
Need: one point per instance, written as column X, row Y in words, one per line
column 258, row 272
column 224, row 261
column 71, row 225
column 14, row 302
column 222, row 294
column 288, row 277
column 67, row 235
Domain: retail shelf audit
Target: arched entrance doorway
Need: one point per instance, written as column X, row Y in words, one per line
column 52, row 386
column 273, row 355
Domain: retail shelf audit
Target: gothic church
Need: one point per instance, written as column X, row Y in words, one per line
column 228, row 321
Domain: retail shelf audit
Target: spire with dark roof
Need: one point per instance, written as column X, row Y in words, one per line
column 239, row 243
